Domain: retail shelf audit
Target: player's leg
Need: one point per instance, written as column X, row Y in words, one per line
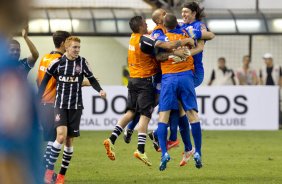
column 67, row 155
column 142, row 134
column 109, row 143
column 74, row 116
column 162, row 136
column 197, row 136
column 154, row 134
column 49, row 131
column 61, row 124
column 184, row 130
column 145, row 106
column 173, row 125
column 167, row 102
column 188, row 100
column 130, row 128
column 128, row 116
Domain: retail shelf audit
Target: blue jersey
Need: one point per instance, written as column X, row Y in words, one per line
column 198, row 25
column 24, row 65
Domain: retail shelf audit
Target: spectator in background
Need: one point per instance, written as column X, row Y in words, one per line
column 247, row 75
column 270, row 74
column 222, row 75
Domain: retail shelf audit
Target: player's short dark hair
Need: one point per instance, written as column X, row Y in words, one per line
column 247, row 56
column 222, row 59
column 59, row 37
column 12, row 41
column 194, row 7
column 170, row 21
column 135, row 23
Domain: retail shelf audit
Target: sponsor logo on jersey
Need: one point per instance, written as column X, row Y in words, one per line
column 68, row 79
column 78, row 69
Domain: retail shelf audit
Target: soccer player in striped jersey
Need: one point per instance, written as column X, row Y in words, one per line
column 48, row 98
column 69, row 71
column 26, row 64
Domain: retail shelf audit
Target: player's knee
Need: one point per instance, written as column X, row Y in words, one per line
column 61, row 138
column 193, row 116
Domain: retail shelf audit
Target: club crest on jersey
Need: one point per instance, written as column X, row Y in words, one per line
column 57, row 118
column 78, row 69
column 68, row 79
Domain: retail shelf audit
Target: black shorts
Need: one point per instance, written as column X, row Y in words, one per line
column 141, row 96
column 47, row 121
column 69, row 118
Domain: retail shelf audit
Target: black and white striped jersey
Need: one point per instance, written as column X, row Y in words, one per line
column 69, row 75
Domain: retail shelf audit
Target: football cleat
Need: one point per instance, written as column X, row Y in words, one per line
column 172, row 144
column 198, row 160
column 60, row 179
column 109, row 149
column 186, row 157
column 143, row 157
column 127, row 135
column 165, row 159
column 48, row 176
column 155, row 141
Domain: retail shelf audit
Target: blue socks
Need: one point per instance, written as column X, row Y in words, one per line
column 185, row 132
column 197, row 135
column 173, row 120
column 162, row 135
column 134, row 122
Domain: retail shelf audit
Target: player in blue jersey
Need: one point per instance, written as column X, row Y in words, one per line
column 192, row 15
column 15, row 52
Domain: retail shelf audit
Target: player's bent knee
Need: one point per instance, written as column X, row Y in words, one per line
column 193, row 116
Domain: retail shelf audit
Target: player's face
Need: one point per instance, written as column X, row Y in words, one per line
column 15, row 51
column 187, row 15
column 144, row 27
column 74, row 49
column 221, row 63
column 246, row 60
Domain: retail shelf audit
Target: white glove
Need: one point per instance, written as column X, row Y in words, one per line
column 176, row 59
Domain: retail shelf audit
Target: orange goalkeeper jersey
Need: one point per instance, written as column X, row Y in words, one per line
column 50, row 91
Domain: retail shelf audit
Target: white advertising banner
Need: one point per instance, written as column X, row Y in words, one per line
column 220, row 108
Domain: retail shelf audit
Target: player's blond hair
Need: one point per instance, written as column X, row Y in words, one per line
column 70, row 39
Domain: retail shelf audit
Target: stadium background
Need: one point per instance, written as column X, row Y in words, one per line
column 242, row 27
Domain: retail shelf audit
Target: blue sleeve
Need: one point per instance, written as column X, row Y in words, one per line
column 163, row 38
column 24, row 63
column 156, row 33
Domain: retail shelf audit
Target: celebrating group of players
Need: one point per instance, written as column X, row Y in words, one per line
column 165, row 68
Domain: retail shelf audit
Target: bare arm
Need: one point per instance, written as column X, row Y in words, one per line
column 174, row 44
column 85, row 83
column 34, row 53
column 207, row 35
column 199, row 48
column 181, row 52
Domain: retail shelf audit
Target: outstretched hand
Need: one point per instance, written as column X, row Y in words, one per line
column 103, row 94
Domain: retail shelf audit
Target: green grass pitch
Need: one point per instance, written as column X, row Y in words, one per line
column 228, row 157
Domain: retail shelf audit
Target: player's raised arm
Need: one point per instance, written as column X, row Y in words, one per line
column 34, row 52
